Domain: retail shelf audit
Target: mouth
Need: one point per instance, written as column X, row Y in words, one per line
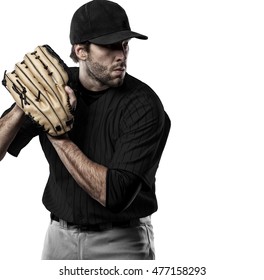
column 119, row 70
column 119, row 66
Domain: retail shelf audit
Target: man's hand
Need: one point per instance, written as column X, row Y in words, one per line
column 72, row 97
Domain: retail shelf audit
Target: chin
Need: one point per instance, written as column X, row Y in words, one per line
column 116, row 82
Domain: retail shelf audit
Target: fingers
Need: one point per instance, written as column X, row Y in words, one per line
column 72, row 97
column 69, row 90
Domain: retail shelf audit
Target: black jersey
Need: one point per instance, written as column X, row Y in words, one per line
column 124, row 129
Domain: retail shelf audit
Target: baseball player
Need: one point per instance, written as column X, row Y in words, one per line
column 103, row 153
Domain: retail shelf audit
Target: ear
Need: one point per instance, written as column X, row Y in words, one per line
column 81, row 51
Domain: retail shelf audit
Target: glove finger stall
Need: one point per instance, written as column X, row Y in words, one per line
column 38, row 86
column 27, row 101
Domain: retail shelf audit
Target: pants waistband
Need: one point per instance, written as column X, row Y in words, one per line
column 103, row 226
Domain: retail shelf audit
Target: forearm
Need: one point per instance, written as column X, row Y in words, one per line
column 9, row 126
column 88, row 174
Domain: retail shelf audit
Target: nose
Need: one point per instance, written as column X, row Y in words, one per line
column 122, row 48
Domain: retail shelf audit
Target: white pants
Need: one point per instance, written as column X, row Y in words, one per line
column 64, row 242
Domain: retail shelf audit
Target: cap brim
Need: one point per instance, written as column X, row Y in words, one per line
column 117, row 37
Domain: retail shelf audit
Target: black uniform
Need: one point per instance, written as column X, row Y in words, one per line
column 124, row 129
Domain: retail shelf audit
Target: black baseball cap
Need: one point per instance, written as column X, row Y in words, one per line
column 101, row 22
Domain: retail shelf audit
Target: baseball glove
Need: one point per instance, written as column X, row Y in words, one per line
column 37, row 85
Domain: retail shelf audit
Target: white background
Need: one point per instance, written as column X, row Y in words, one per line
column 205, row 60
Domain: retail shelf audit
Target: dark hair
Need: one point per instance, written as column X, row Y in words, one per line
column 73, row 55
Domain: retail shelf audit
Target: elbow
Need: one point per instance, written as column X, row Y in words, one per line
column 122, row 187
column 117, row 206
column 121, row 203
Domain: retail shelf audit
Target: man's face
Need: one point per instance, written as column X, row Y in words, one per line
column 106, row 65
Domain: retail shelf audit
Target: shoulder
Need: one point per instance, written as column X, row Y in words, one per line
column 141, row 105
column 135, row 85
column 139, row 94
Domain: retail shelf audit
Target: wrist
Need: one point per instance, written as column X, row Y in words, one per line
column 58, row 139
column 18, row 111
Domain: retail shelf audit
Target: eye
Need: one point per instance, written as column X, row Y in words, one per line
column 117, row 46
column 125, row 45
column 113, row 46
column 107, row 47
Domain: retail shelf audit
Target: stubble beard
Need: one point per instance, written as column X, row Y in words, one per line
column 102, row 75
